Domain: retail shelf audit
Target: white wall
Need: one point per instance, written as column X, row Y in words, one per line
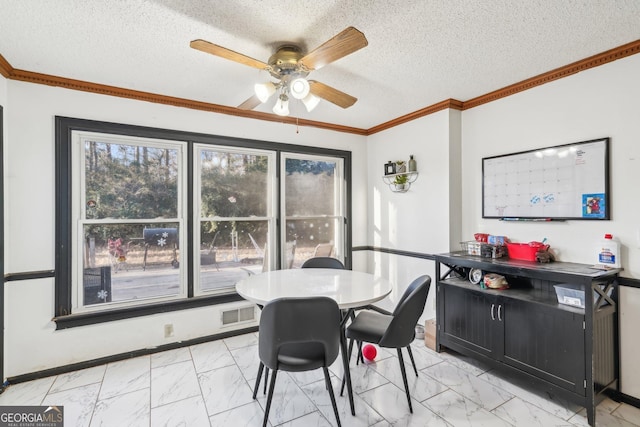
column 419, row 220
column 31, row 342
column 3, row 103
column 600, row 102
column 3, row 91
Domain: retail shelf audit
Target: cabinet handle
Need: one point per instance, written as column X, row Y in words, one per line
column 493, row 317
column 500, row 312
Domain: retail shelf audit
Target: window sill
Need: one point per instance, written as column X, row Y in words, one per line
column 84, row 319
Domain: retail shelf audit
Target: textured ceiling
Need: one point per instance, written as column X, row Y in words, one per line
column 419, row 53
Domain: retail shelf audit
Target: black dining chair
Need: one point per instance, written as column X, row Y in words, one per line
column 295, row 335
column 395, row 330
column 317, row 262
column 323, row 262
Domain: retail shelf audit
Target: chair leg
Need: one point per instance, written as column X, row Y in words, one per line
column 269, row 397
column 404, row 378
column 348, row 358
column 413, row 362
column 255, row 389
column 350, row 348
column 359, row 355
column 347, row 372
column 266, row 379
column 327, row 380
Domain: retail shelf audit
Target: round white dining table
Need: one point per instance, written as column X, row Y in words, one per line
column 350, row 289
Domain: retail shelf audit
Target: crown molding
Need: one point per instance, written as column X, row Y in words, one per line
column 623, row 51
column 453, row 104
column 573, row 68
column 5, row 68
column 46, row 79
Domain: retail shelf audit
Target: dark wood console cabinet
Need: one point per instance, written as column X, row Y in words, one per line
column 564, row 350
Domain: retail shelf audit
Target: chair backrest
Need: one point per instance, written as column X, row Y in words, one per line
column 402, row 329
column 304, row 322
column 323, row 250
column 323, row 262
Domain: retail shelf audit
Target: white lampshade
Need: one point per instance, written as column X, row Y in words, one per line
column 282, row 106
column 299, row 88
column 264, row 90
column 310, row 102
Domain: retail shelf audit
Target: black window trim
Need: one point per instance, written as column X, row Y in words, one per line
column 64, row 128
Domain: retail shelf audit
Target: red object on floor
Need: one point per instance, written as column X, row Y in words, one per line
column 369, row 352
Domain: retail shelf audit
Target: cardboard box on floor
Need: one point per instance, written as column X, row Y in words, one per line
column 430, row 334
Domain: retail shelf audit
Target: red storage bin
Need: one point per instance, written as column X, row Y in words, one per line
column 525, row 251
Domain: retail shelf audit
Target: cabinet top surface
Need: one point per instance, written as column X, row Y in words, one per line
column 572, row 268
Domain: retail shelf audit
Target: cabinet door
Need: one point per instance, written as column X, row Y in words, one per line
column 545, row 341
column 467, row 320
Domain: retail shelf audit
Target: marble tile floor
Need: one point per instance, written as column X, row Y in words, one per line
column 211, row 384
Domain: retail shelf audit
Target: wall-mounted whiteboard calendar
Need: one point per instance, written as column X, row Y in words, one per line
column 563, row 182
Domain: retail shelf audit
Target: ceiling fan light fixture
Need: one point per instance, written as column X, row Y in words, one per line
column 264, row 90
column 310, row 102
column 289, row 66
column 299, row 87
column 282, row 105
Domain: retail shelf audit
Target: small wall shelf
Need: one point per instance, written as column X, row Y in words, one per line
column 400, row 188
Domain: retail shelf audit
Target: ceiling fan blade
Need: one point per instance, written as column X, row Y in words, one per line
column 250, row 103
column 341, row 45
column 332, row 95
column 229, row 54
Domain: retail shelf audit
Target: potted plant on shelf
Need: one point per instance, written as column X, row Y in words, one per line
column 400, row 182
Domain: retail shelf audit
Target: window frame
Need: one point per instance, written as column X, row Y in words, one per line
column 78, row 214
column 65, row 127
column 340, row 202
column 270, row 217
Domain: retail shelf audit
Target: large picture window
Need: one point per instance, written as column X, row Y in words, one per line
column 129, row 217
column 152, row 220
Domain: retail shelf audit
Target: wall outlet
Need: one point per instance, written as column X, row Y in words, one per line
column 168, row 330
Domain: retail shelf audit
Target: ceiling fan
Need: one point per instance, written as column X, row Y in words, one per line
column 290, row 67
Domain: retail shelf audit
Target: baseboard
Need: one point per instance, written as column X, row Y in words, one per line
column 623, row 398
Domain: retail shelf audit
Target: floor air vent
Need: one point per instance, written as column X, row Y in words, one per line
column 243, row 314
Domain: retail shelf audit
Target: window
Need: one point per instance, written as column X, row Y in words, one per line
column 313, row 207
column 151, row 220
column 236, row 216
column 129, row 217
